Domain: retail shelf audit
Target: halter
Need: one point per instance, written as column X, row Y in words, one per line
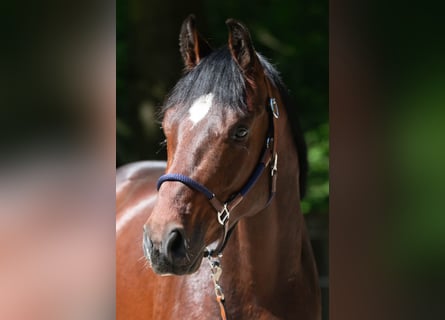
column 269, row 156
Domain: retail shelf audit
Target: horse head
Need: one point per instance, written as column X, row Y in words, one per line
column 217, row 125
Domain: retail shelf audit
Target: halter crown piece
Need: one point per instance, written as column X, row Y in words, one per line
column 223, row 209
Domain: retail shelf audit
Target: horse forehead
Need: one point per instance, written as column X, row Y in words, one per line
column 200, row 108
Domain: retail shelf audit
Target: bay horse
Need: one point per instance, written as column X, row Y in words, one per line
column 220, row 224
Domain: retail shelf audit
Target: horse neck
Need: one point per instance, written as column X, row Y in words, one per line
column 273, row 244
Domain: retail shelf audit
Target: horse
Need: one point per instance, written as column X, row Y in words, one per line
column 216, row 231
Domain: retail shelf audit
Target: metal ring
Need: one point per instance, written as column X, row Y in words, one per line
column 274, row 108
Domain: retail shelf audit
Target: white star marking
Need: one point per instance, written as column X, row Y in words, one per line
column 200, row 108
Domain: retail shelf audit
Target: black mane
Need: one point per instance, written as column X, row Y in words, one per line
column 219, row 74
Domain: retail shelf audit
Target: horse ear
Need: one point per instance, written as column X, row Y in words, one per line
column 241, row 47
column 192, row 45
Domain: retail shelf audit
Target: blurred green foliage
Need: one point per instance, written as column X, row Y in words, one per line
column 292, row 34
column 417, row 151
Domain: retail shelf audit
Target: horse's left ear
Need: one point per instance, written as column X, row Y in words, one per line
column 192, row 45
column 241, row 47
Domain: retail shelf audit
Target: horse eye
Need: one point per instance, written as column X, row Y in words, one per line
column 241, row 133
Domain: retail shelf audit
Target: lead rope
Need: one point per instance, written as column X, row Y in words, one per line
column 215, row 267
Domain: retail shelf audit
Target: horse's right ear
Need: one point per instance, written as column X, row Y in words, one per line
column 192, row 45
column 241, row 47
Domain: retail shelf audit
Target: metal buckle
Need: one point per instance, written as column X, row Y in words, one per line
column 274, row 168
column 223, row 215
column 274, row 108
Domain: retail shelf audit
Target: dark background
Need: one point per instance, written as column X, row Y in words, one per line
column 292, row 34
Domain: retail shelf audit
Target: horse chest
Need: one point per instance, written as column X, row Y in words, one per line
column 193, row 297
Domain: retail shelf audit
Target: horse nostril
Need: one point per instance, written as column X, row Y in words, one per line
column 175, row 246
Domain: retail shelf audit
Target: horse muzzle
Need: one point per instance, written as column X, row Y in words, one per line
column 171, row 254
